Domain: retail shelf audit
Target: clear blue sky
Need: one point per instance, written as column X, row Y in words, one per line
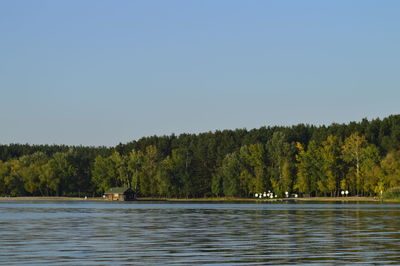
column 104, row 72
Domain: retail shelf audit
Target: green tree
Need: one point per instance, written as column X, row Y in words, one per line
column 288, row 176
column 48, row 179
column 390, row 167
column 332, row 165
column 309, row 169
column 352, row 152
column 280, row 154
column 151, row 180
column 34, row 173
column 9, row 183
column 135, row 165
column 370, row 170
column 111, row 171
column 216, row 185
column 230, row 171
column 4, row 171
column 14, row 185
column 173, row 175
column 63, row 173
column 121, row 169
column 252, row 174
column 104, row 174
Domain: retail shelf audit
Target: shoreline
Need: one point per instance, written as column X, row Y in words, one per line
column 38, row 198
column 222, row 199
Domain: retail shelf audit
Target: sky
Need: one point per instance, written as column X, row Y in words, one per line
column 99, row 72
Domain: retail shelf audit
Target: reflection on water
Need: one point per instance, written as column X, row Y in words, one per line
column 174, row 233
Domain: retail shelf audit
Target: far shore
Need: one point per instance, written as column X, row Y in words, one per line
column 49, row 199
column 215, row 199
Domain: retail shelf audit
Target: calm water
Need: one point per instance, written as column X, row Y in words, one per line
column 198, row 233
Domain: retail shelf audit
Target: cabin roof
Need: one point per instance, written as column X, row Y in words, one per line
column 117, row 190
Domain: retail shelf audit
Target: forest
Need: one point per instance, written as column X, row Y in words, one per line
column 361, row 157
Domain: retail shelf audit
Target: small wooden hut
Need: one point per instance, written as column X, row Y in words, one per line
column 120, row 193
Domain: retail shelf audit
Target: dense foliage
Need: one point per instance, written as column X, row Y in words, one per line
column 392, row 194
column 363, row 158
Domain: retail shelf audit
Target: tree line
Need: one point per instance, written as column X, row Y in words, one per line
column 363, row 158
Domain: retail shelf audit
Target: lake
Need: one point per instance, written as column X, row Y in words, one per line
column 156, row 233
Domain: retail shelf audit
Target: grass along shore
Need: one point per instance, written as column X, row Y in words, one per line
column 215, row 199
column 50, row 199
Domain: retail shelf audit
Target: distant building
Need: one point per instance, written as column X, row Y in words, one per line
column 120, row 193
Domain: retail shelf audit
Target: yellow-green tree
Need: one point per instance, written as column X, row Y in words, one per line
column 352, row 153
column 371, row 174
column 309, row 169
column 150, row 179
column 134, row 166
column 390, row 166
column 10, row 184
column 253, row 169
column 63, row 173
column 332, row 165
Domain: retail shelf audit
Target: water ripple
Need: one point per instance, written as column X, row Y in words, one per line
column 184, row 234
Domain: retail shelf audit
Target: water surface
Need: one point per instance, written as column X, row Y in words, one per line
column 72, row 233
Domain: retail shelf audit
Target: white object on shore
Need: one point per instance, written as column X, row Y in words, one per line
column 256, row 195
column 85, row 197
